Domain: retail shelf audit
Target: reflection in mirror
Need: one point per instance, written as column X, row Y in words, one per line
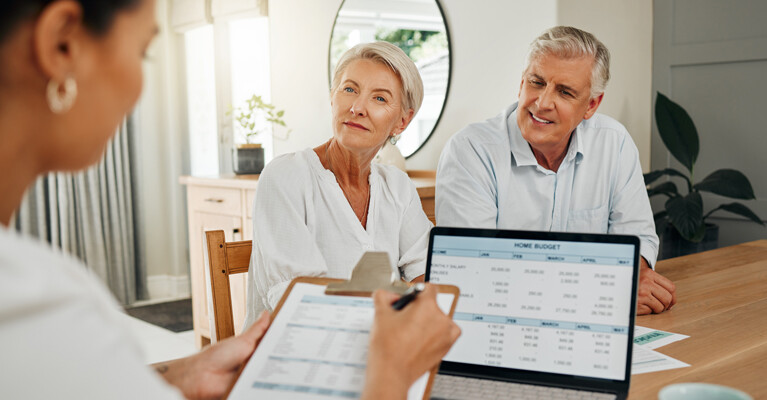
column 417, row 27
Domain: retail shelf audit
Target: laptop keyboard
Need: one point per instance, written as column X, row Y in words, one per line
column 450, row 387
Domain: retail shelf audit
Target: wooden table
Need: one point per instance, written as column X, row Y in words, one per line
column 722, row 305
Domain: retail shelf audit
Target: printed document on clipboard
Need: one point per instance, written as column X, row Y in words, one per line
column 316, row 346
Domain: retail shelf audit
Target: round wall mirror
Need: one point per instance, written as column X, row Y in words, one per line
column 416, row 26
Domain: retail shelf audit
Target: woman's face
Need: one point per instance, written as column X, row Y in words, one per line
column 108, row 73
column 367, row 106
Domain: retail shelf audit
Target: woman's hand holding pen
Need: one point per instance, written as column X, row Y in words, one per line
column 421, row 328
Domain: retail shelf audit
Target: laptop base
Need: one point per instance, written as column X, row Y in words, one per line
column 452, row 387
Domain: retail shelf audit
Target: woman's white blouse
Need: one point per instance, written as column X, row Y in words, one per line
column 63, row 335
column 304, row 226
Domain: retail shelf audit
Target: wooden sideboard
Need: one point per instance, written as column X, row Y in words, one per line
column 226, row 202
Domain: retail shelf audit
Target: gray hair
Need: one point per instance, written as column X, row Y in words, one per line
column 569, row 42
column 393, row 57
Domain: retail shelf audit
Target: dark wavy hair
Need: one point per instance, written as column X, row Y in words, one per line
column 98, row 15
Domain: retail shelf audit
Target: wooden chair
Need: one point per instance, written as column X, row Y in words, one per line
column 225, row 258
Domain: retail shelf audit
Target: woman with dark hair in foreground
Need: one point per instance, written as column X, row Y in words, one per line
column 69, row 72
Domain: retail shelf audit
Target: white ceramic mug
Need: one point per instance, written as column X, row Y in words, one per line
column 701, row 391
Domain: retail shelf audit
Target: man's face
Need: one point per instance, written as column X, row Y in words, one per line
column 554, row 97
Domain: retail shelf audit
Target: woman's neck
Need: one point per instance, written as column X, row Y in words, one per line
column 350, row 168
column 18, row 165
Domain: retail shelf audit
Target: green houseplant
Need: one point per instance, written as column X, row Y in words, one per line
column 683, row 211
column 254, row 118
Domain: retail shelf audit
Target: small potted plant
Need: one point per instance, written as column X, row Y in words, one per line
column 252, row 120
column 682, row 223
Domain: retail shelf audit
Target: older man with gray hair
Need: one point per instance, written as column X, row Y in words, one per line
column 550, row 162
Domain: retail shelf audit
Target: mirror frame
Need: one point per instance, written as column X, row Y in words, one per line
column 449, row 73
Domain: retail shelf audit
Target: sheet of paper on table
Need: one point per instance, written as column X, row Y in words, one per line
column 645, row 358
column 652, row 339
column 316, row 348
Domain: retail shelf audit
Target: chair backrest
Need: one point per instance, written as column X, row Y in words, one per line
column 225, row 258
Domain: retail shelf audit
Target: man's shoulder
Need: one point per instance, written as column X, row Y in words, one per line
column 489, row 135
column 606, row 124
column 602, row 131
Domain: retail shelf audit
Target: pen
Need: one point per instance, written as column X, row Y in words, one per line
column 409, row 296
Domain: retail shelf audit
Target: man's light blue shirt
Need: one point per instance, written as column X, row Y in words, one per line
column 488, row 177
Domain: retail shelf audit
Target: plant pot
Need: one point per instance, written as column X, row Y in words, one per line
column 248, row 159
column 674, row 245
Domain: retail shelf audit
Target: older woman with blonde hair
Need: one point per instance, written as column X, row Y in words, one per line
column 318, row 210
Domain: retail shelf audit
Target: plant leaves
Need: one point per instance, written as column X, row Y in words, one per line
column 668, row 188
column 686, row 214
column 651, row 177
column 699, row 234
column 251, row 120
column 729, row 183
column 677, row 131
column 740, row 209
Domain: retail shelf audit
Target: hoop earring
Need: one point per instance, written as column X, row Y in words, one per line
column 59, row 102
column 393, row 139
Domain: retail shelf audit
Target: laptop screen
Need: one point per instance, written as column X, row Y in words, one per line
column 554, row 306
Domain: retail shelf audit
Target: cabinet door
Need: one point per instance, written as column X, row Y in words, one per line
column 232, row 227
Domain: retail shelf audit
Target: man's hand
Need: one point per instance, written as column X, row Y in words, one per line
column 208, row 374
column 405, row 344
column 656, row 292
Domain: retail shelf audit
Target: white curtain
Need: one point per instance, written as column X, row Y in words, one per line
column 90, row 215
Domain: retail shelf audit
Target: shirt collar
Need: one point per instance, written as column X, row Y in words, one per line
column 521, row 151
column 575, row 152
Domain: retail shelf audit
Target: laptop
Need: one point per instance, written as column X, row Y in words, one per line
column 543, row 314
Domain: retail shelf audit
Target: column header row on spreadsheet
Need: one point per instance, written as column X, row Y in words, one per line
column 535, row 250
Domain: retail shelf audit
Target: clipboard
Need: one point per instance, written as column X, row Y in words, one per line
column 372, row 272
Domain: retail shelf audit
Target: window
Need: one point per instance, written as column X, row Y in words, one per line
column 201, row 101
column 226, row 63
column 249, row 49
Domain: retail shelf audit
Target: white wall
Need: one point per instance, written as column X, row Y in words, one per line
column 489, row 40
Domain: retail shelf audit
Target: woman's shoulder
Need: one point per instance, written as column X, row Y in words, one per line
column 33, row 273
column 291, row 166
column 393, row 178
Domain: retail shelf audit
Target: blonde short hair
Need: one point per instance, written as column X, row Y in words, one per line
column 393, row 57
column 569, row 42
